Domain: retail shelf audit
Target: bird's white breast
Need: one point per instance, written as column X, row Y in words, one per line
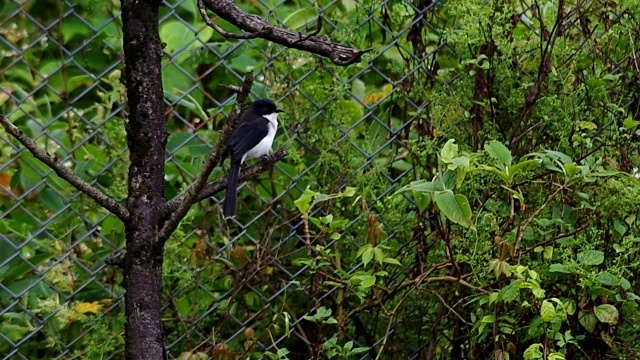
column 264, row 146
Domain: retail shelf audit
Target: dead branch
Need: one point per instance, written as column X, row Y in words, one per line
column 254, row 26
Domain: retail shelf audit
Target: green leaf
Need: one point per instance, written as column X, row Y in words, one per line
column 591, row 257
column 556, row 356
column 368, row 281
column 548, row 252
column 629, row 123
column 587, row 320
column 304, row 201
column 547, row 311
column 533, row 352
column 513, row 170
column 300, row 18
column 359, row 350
column 503, row 175
column 392, row 261
column 378, row 253
column 455, row 207
column 498, row 151
column 367, row 256
column 569, row 306
column 559, row 268
column 600, row 291
column 607, row 279
column 606, row 313
column 176, row 35
column 587, row 125
column 449, row 150
column 51, row 200
column 422, row 200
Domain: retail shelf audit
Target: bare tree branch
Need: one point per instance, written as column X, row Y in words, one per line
column 217, row 28
column 218, row 185
column 256, row 27
column 185, row 201
column 98, row 196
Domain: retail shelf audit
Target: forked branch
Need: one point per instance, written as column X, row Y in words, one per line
column 254, row 26
column 185, row 201
column 98, row 196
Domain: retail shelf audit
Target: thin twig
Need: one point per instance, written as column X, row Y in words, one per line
column 444, row 302
column 220, row 184
column 555, row 238
column 98, row 196
column 530, row 219
column 186, row 200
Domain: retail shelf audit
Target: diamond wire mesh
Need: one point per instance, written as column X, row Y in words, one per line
column 64, row 66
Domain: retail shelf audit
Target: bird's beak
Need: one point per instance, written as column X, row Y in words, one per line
column 279, row 110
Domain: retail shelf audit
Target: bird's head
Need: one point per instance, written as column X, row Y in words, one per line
column 265, row 107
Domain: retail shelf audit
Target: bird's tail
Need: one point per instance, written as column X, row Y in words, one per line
column 230, row 198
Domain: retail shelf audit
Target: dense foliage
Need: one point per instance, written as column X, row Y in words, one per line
column 468, row 191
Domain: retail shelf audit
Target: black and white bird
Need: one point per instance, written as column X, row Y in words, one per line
column 251, row 139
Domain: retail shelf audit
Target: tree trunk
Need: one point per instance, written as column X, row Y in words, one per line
column 146, row 138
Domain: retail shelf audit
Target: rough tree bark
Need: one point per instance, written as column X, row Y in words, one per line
column 148, row 218
column 146, row 138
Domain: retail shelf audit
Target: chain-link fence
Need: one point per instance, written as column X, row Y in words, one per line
column 277, row 278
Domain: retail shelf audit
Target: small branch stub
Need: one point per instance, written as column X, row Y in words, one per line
column 254, row 26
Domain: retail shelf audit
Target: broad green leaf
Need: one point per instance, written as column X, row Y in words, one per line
column 455, row 207
column 559, row 268
column 629, row 123
column 449, row 150
column 488, row 319
column 571, row 170
column 498, row 151
column 368, row 281
column 51, row 200
column 606, row 313
column 378, row 253
column 301, row 18
column 548, row 252
column 607, row 279
column 547, row 311
column 458, row 162
column 569, row 306
column 367, row 256
column 600, row 291
column 556, row 356
column 303, row 203
column 591, row 257
column 587, row 125
column 513, row 170
column 422, row 200
column 503, row 175
column 533, row 352
column 587, row 320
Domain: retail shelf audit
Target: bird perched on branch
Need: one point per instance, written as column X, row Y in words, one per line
column 251, row 139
